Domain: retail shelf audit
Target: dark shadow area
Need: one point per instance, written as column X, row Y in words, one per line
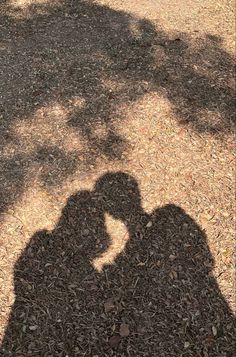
column 160, row 286
column 55, row 163
column 105, row 58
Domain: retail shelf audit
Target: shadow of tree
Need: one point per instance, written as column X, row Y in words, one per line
column 88, row 53
column 160, row 287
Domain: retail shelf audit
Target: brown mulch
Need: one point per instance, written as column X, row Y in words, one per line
column 117, row 233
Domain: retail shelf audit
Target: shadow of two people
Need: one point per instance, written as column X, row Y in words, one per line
column 160, row 286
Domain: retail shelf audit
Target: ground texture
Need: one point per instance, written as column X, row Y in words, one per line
column 117, row 167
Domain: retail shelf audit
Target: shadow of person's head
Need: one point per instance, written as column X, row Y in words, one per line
column 82, row 225
column 120, row 196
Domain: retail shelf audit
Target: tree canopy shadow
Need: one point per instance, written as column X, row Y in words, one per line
column 160, row 287
column 81, row 51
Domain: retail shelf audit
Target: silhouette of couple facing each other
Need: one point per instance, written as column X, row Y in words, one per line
column 160, row 287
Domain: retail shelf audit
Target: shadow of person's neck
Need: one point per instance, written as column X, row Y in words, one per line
column 133, row 219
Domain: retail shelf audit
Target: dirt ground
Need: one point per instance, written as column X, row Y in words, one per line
column 117, row 178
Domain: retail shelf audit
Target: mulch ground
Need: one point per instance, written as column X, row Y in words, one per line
column 117, row 174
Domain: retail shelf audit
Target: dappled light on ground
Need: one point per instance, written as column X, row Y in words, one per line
column 26, row 8
column 27, row 3
column 91, row 88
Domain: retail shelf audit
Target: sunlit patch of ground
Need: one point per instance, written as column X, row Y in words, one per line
column 26, row 3
column 20, row 9
column 119, row 237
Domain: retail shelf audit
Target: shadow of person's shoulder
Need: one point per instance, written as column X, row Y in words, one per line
column 34, row 251
column 70, row 243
